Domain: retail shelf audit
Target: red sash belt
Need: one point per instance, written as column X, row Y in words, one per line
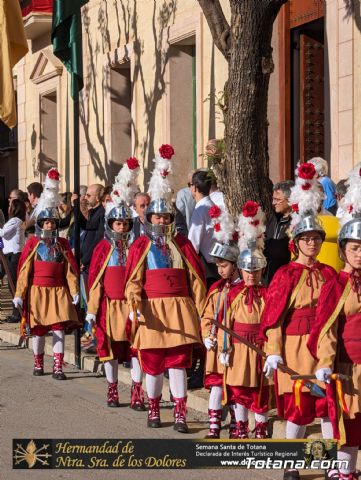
column 48, row 274
column 165, row 282
column 299, row 320
column 114, row 282
column 350, row 332
column 249, row 331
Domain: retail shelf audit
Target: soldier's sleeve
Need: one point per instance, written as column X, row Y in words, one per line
column 72, row 278
column 22, row 282
column 326, row 349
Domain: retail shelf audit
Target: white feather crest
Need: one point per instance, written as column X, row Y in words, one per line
column 159, row 185
column 351, row 202
column 251, row 229
column 306, row 196
column 224, row 228
column 125, row 184
column 50, row 197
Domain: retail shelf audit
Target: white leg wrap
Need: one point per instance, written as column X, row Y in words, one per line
column 111, row 370
column 135, row 371
column 38, row 345
column 295, row 431
column 348, row 454
column 154, row 385
column 215, row 398
column 326, row 428
column 58, row 341
column 178, row 382
column 261, row 417
column 241, row 412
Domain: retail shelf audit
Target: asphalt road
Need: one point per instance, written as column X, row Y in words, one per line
column 40, row 407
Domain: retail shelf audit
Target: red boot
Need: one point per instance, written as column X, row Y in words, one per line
column 137, row 397
column 38, row 365
column 241, row 430
column 215, row 422
column 180, row 412
column 154, row 413
column 261, row 430
column 58, row 373
column 113, row 396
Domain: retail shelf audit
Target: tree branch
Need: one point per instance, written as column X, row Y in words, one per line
column 218, row 25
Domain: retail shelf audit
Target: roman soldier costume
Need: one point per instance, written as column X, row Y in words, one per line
column 48, row 281
column 232, row 368
column 335, row 337
column 107, row 305
column 165, row 289
column 290, row 313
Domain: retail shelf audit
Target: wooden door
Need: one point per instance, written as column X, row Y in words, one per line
column 311, row 98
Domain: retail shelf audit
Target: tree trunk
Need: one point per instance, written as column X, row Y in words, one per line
column 244, row 172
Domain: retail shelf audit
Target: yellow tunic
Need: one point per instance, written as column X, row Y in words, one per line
column 48, row 305
column 242, row 370
column 293, row 348
column 326, row 352
column 168, row 321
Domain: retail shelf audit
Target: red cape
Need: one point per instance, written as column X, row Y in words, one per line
column 100, row 254
column 28, row 250
column 281, row 288
column 330, row 297
column 140, row 246
column 33, row 242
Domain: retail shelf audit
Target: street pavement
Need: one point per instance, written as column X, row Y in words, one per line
column 40, row 407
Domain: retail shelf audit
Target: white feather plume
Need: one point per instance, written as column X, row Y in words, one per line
column 306, row 197
column 125, row 185
column 50, row 197
column 351, row 202
column 159, row 185
column 224, row 228
column 251, row 230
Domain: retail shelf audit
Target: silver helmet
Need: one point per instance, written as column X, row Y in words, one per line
column 160, row 207
column 225, row 251
column 50, row 213
column 119, row 212
column 350, row 231
column 251, row 260
column 310, row 223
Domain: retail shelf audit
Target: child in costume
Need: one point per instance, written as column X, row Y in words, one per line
column 107, row 306
column 335, row 340
column 48, row 280
column 165, row 288
column 232, row 368
column 291, row 308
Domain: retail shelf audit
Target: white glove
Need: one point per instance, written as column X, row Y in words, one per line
column 90, row 317
column 224, row 359
column 131, row 315
column 271, row 364
column 76, row 299
column 18, row 302
column 209, row 343
column 322, row 374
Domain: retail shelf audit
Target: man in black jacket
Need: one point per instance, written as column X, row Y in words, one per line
column 93, row 225
column 276, row 248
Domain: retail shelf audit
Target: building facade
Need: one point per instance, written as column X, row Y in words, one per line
column 152, row 75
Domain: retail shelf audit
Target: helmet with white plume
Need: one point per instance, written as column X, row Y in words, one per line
column 47, row 207
column 122, row 195
column 351, row 205
column 224, row 232
column 305, row 200
column 160, row 193
column 251, row 228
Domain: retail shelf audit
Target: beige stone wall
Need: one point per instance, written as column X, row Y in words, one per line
column 136, row 34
